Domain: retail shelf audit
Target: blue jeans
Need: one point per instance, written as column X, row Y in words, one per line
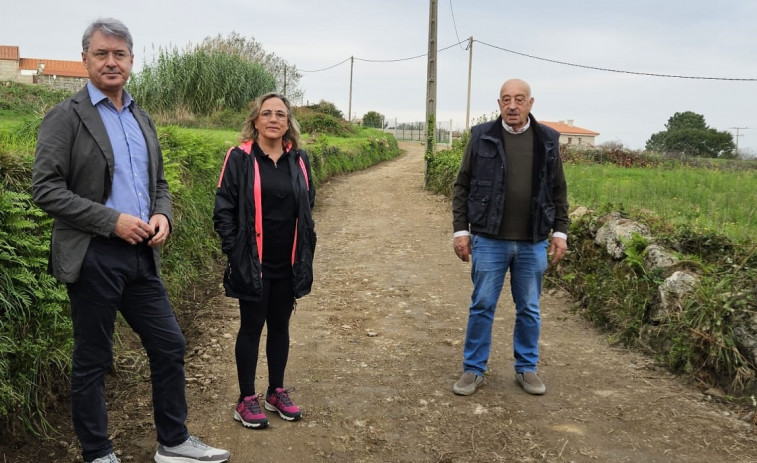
column 491, row 259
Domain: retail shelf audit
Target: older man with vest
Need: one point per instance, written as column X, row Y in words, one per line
column 509, row 196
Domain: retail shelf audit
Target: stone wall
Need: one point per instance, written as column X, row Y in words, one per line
column 62, row 83
column 8, row 70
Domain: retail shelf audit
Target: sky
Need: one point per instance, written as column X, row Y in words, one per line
column 567, row 51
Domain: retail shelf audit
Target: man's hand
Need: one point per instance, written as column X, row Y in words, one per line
column 462, row 247
column 557, row 249
column 132, row 229
column 159, row 223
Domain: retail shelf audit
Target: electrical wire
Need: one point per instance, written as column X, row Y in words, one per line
column 330, row 67
column 564, row 63
column 613, row 70
column 380, row 60
column 405, row 59
column 455, row 24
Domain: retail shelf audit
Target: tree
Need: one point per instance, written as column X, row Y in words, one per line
column 687, row 133
column 287, row 76
column 374, row 119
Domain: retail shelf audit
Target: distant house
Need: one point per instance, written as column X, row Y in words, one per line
column 69, row 75
column 573, row 135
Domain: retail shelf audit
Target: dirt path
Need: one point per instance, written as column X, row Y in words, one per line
column 378, row 344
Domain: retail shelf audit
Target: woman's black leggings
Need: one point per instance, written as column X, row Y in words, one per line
column 274, row 309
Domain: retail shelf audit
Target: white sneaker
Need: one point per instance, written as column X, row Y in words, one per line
column 109, row 458
column 193, row 450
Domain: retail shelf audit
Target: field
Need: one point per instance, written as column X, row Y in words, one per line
column 703, row 199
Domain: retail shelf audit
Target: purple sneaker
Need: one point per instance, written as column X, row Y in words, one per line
column 250, row 414
column 280, row 402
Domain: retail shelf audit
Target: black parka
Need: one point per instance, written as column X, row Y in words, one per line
column 234, row 219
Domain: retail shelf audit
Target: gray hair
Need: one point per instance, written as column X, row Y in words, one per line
column 109, row 27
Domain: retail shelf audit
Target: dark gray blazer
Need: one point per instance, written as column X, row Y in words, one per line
column 73, row 175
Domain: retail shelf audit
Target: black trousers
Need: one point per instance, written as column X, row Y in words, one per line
column 118, row 276
column 274, row 309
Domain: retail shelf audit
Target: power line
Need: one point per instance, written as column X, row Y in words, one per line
column 564, row 63
column 330, row 67
column 405, row 59
column 381, row 60
column 612, row 70
column 738, row 135
column 455, row 24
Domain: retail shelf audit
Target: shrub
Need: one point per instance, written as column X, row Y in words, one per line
column 374, row 119
column 35, row 330
column 325, row 107
column 29, row 99
column 315, row 122
column 442, row 166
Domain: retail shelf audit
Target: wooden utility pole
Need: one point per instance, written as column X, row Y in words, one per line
column 349, row 111
column 470, row 67
column 737, row 136
column 431, row 81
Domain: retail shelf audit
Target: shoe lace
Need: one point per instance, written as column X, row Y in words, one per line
column 253, row 405
column 283, row 396
column 196, row 442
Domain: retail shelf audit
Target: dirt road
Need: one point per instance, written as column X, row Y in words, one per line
column 378, row 344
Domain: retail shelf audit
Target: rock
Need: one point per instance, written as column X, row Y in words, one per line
column 746, row 337
column 579, row 213
column 656, row 256
column 615, row 231
column 671, row 295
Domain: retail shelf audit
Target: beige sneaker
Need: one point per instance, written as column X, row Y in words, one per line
column 530, row 383
column 468, row 383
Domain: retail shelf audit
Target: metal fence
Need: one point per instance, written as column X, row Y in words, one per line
column 416, row 131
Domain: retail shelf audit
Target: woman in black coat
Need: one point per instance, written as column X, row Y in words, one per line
column 263, row 214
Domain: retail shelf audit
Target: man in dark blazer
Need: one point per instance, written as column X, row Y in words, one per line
column 98, row 172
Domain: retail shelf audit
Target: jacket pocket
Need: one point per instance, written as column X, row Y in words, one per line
column 238, row 269
column 478, row 202
column 547, row 219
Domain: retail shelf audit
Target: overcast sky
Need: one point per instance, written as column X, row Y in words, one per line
column 690, row 38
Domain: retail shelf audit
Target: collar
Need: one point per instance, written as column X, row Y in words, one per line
column 97, row 96
column 516, row 132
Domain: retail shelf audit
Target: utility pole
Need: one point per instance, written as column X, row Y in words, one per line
column 737, row 136
column 349, row 111
column 431, row 81
column 470, row 67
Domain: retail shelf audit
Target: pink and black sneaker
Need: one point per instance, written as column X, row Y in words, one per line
column 250, row 414
column 280, row 402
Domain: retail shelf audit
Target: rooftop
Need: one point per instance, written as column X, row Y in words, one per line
column 567, row 128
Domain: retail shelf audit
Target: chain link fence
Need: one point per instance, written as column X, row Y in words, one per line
column 416, row 131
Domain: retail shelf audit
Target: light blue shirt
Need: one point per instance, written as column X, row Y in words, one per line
column 131, row 176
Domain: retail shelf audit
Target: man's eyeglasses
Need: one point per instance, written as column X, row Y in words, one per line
column 268, row 114
column 520, row 100
column 118, row 55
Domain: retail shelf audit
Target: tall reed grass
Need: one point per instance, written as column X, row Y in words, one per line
column 201, row 82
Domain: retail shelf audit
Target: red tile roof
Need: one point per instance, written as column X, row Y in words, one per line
column 569, row 128
column 9, row 52
column 54, row 67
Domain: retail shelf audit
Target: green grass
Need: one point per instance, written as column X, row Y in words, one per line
column 10, row 119
column 705, row 199
column 222, row 137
